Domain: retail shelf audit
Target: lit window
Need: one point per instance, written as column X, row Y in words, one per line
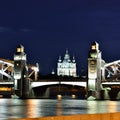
column 18, row 49
column 93, row 47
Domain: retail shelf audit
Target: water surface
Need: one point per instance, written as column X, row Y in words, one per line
column 32, row 108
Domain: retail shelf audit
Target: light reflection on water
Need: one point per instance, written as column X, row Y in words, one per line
column 31, row 108
column 102, row 106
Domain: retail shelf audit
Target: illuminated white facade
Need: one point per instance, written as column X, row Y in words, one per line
column 66, row 67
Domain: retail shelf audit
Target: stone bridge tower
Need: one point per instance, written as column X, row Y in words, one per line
column 94, row 72
column 21, row 73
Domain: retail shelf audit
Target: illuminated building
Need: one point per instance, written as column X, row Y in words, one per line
column 66, row 67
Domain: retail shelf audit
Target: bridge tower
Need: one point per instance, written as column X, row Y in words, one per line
column 94, row 72
column 21, row 73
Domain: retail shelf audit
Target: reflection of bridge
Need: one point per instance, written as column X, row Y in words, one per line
column 19, row 78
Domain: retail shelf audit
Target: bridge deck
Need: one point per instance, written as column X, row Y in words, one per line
column 6, row 83
column 54, row 82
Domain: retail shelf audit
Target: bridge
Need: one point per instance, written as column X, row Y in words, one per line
column 21, row 79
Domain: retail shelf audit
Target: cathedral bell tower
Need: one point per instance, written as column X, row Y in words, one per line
column 94, row 72
column 21, row 73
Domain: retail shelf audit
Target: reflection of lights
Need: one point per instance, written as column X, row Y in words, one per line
column 32, row 108
column 59, row 97
column 112, row 106
column 59, row 108
column 102, row 106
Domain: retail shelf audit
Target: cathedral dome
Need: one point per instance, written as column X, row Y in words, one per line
column 67, row 57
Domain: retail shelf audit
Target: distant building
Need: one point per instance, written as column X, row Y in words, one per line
column 66, row 67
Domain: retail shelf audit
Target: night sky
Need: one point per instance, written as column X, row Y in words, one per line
column 46, row 28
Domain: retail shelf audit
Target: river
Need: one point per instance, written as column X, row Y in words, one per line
column 32, row 108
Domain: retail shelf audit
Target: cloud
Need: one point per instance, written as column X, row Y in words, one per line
column 25, row 30
column 5, row 29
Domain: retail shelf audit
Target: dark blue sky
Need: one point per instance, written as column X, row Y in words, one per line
column 47, row 27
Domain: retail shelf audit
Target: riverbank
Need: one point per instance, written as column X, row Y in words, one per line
column 102, row 116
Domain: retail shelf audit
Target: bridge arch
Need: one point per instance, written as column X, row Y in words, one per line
column 54, row 89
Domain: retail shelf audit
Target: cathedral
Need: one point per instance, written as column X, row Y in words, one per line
column 66, row 67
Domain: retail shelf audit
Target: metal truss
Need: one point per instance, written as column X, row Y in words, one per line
column 33, row 72
column 7, row 70
column 112, row 70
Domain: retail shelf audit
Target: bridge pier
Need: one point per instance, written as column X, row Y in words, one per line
column 95, row 63
column 22, row 84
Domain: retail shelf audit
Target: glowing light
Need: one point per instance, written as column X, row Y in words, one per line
column 59, row 97
column 92, row 55
column 5, row 89
column 20, row 50
column 112, row 106
column 73, row 96
column 93, row 47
